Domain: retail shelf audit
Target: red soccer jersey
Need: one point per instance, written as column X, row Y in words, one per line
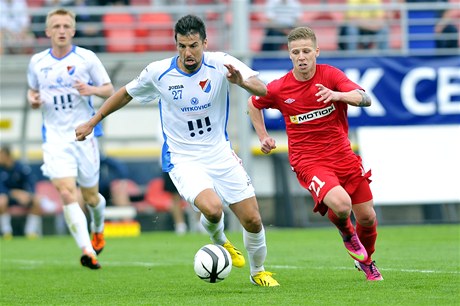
column 317, row 132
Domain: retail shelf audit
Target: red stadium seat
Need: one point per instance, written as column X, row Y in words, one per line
column 156, row 196
column 119, row 32
column 46, row 189
column 155, row 32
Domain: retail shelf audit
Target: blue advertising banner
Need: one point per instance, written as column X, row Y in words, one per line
column 404, row 90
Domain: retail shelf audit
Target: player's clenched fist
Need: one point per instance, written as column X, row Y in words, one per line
column 34, row 99
column 82, row 131
column 267, row 145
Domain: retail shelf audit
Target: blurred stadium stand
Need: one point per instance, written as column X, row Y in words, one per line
column 146, row 35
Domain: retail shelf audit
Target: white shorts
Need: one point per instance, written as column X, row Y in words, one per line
column 79, row 159
column 223, row 173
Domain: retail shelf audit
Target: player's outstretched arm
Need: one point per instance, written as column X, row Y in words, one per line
column 112, row 104
column 253, row 84
column 356, row 97
column 267, row 143
column 104, row 91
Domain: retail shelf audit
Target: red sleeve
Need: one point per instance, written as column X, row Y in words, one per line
column 339, row 80
column 267, row 101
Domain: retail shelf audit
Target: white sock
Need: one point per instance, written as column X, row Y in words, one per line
column 78, row 225
column 33, row 225
column 180, row 228
column 215, row 230
column 6, row 224
column 97, row 215
column 257, row 250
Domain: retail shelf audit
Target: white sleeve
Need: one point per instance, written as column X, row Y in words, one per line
column 246, row 71
column 32, row 80
column 142, row 88
column 99, row 74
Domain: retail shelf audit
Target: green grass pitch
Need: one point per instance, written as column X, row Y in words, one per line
column 420, row 264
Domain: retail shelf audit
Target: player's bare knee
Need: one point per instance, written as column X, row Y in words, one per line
column 92, row 199
column 67, row 195
column 253, row 224
column 212, row 212
column 367, row 219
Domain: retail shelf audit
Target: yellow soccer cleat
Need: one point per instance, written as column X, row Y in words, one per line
column 236, row 255
column 264, row 279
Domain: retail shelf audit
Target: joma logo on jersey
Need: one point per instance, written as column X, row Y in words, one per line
column 45, row 70
column 175, row 87
column 319, row 113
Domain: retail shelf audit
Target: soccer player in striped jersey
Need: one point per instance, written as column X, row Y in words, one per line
column 313, row 100
column 62, row 81
column 193, row 93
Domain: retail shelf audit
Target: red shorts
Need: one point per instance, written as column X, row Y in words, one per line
column 320, row 180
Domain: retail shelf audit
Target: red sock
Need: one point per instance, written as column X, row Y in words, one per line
column 367, row 235
column 344, row 225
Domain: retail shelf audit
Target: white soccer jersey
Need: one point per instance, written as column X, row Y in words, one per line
column 194, row 108
column 63, row 107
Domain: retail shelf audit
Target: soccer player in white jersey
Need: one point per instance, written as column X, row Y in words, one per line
column 62, row 80
column 192, row 89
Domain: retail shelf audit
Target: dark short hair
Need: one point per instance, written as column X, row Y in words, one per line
column 190, row 25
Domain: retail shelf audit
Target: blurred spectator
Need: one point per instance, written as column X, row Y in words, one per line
column 447, row 25
column 89, row 28
column 16, row 36
column 177, row 207
column 283, row 15
column 432, row 28
column 112, row 170
column 364, row 28
column 59, row 2
column 113, row 2
column 17, row 188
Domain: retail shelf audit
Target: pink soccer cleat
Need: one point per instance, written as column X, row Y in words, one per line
column 355, row 248
column 371, row 271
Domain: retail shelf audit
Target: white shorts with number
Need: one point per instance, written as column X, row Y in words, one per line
column 224, row 173
column 79, row 159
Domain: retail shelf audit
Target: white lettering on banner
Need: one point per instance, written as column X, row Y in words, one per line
column 368, row 81
column 447, row 89
column 408, row 86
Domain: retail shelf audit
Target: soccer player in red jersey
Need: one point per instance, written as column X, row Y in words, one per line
column 313, row 99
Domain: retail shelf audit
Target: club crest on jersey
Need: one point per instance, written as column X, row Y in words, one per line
column 70, row 70
column 205, row 85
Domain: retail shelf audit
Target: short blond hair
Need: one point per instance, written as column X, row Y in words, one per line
column 61, row 12
column 302, row 33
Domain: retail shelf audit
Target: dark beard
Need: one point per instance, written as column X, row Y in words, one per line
column 191, row 68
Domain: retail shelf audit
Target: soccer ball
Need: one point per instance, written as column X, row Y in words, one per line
column 212, row 263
